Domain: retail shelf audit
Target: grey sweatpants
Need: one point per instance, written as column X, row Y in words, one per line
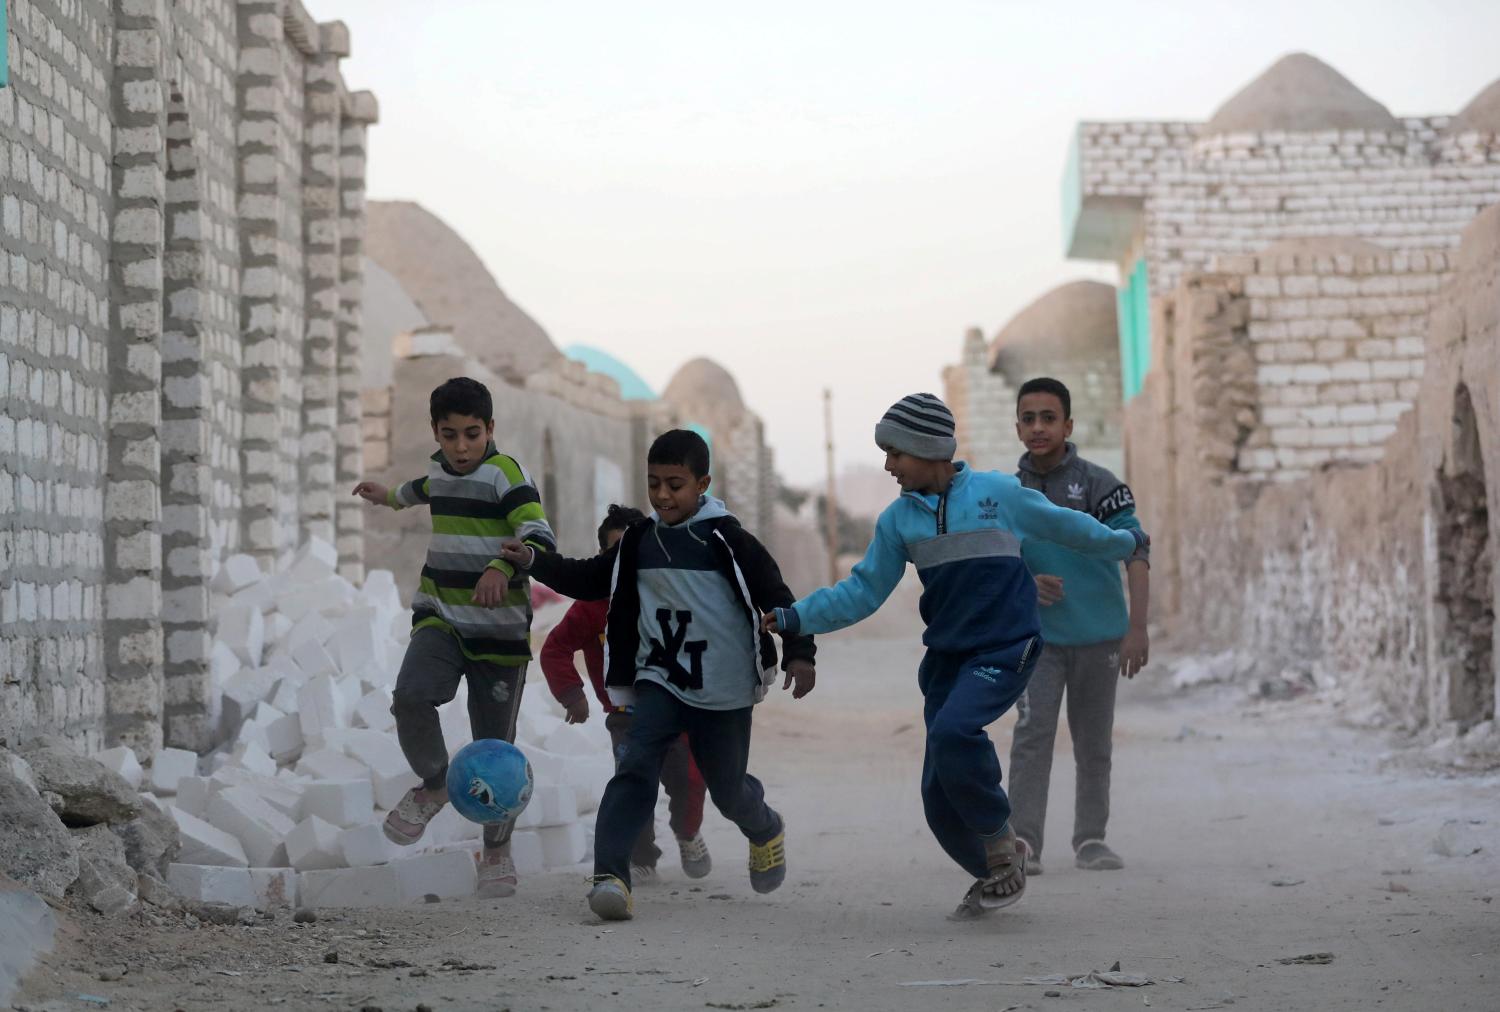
column 429, row 677
column 1088, row 675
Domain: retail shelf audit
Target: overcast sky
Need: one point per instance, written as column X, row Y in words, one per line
column 817, row 193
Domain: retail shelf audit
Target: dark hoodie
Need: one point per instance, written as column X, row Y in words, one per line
column 685, row 606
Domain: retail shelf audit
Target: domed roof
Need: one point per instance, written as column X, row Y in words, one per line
column 1482, row 113
column 446, row 278
column 704, row 383
column 632, row 387
column 1323, row 245
column 1073, row 321
column 1299, row 93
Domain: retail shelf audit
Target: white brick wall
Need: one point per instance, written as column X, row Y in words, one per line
column 123, row 358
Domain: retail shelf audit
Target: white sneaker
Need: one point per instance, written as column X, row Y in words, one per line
column 497, row 874
column 696, row 861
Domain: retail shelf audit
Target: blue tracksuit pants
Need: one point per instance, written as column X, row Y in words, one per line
column 961, row 792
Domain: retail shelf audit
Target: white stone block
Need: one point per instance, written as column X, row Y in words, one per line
column 572, row 740
column 326, row 764
column 313, row 658
column 278, row 626
column 243, row 630
column 309, row 626
column 285, row 698
column 284, row 738
column 284, row 796
column 374, row 886
column 212, row 884
column 532, row 730
column 223, row 662
column 206, row 844
column 260, row 827
column 447, row 876
column 562, row 846
column 313, row 844
column 354, row 644
column 546, row 767
column 526, row 852
column 343, row 803
column 589, row 775
column 350, row 692
column 273, row 887
column 170, row 765
column 374, row 711
column 193, row 794
column 253, row 757
column 315, row 560
column 320, row 704
column 260, row 596
column 389, row 773
column 557, row 804
column 236, row 573
column 246, row 689
column 123, row 761
column 380, row 590
column 366, row 845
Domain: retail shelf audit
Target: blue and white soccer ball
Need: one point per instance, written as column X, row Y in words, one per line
column 489, row 781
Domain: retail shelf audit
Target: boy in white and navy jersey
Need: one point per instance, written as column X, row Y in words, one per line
column 471, row 615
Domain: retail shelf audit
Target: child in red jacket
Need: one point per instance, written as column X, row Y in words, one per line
column 582, row 629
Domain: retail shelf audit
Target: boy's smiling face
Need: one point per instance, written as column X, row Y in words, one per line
column 463, row 439
column 1042, row 425
column 674, row 491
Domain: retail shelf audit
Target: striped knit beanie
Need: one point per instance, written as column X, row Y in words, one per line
column 918, row 424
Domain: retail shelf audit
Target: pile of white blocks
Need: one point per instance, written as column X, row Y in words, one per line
column 288, row 808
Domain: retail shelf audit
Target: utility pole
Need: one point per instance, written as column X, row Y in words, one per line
column 830, row 498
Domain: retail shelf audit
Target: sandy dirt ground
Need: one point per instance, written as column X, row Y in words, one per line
column 1254, row 833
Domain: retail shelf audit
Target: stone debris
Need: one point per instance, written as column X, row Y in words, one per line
column 106, row 882
column 35, row 849
column 288, row 808
column 88, row 791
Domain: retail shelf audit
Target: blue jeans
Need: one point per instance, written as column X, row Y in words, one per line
column 720, row 743
column 961, row 791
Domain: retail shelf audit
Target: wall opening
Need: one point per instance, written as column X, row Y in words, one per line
column 1466, row 562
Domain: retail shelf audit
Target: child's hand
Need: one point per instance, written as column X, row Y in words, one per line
column 491, row 588
column 517, row 553
column 803, row 674
column 577, row 711
column 1049, row 589
column 373, row 492
column 1135, row 650
column 768, row 623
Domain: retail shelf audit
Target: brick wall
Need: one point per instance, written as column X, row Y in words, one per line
column 173, row 207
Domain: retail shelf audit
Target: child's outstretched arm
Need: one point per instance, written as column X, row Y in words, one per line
column 580, row 579
column 411, row 493
column 1034, row 516
column 857, row 596
column 574, row 633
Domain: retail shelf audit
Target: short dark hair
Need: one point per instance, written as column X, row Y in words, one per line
column 462, row 396
column 1047, row 385
column 617, row 518
column 680, row 447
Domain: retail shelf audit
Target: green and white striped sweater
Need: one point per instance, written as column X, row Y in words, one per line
column 471, row 514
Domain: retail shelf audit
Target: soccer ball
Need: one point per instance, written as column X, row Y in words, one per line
column 489, row 781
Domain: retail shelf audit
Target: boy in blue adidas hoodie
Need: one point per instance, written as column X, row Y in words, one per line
column 964, row 531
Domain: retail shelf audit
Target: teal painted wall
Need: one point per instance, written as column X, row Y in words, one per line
column 1133, row 315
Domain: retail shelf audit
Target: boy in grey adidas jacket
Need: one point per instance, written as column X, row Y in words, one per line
column 1091, row 639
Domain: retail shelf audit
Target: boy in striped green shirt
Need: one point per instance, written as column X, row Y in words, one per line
column 471, row 615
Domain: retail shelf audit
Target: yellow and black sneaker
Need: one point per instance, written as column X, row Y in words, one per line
column 768, row 863
column 610, row 899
